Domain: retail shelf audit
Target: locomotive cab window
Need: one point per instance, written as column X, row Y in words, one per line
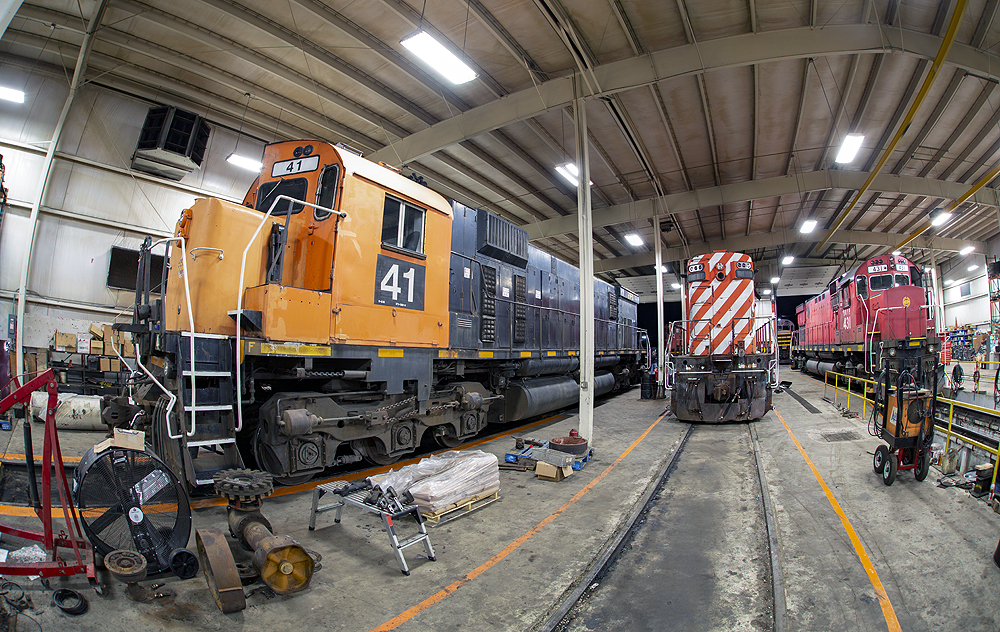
column 902, row 279
column 292, row 187
column 403, row 226
column 862, row 285
column 915, row 279
column 326, row 196
column 881, row 282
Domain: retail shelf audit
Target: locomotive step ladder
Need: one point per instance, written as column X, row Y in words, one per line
column 357, row 499
column 212, row 446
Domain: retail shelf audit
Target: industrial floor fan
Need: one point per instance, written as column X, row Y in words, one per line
column 129, row 499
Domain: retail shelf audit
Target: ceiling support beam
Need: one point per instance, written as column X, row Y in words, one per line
column 756, row 189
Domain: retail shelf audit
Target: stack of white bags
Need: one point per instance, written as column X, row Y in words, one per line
column 445, row 479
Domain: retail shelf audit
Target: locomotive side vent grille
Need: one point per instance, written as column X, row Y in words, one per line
column 488, row 329
column 463, row 322
column 489, row 291
column 520, row 309
column 612, row 305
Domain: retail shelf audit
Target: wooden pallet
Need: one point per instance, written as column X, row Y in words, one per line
column 456, row 510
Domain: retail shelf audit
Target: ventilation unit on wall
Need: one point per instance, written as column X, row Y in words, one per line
column 172, row 143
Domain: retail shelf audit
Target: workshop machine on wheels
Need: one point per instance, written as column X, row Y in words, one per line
column 903, row 417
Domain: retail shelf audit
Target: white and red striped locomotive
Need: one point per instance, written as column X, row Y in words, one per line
column 722, row 363
column 879, row 311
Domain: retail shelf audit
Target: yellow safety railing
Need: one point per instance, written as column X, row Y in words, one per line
column 941, row 401
column 850, row 379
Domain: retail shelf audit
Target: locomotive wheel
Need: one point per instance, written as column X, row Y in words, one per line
column 889, row 470
column 263, row 453
column 878, row 461
column 374, row 451
column 447, row 438
column 923, row 465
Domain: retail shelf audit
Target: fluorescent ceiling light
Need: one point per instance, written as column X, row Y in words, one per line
column 244, row 163
column 849, row 148
column 940, row 219
column 663, row 269
column 966, row 250
column 775, row 280
column 10, row 94
column 972, row 267
column 571, row 173
column 788, row 259
column 896, row 253
column 676, row 286
column 767, row 291
column 948, row 281
column 435, row 55
column 808, row 226
column 633, row 239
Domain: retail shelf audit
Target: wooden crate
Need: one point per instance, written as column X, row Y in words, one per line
column 456, row 510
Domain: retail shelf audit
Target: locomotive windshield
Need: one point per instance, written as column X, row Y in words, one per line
column 902, row 279
column 880, row 282
column 292, row 187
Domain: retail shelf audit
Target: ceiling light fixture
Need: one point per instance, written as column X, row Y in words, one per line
column 244, row 163
column 664, row 270
column 571, row 173
column 896, row 253
column 435, row 55
column 767, row 291
column 966, row 250
column 775, row 280
column 808, row 226
column 972, row 267
column 849, row 148
column 788, row 259
column 948, row 281
column 633, row 239
column 940, row 218
column 10, row 94
column 676, row 286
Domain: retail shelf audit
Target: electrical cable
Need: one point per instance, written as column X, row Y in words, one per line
column 70, row 601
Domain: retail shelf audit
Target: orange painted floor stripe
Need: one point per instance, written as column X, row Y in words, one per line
column 883, row 598
column 304, row 487
column 399, row 620
column 13, row 458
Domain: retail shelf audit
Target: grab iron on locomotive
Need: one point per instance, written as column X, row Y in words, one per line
column 722, row 362
column 344, row 311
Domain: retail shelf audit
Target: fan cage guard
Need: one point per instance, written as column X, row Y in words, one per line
column 129, row 499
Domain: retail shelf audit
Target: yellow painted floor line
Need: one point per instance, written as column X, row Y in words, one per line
column 399, row 620
column 859, row 548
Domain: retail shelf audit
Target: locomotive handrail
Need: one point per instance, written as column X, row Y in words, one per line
column 871, row 337
column 239, row 302
column 190, row 312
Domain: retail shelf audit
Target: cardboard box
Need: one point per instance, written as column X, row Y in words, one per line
column 127, row 348
column 96, row 347
column 66, row 341
column 132, row 439
column 549, row 472
column 105, row 364
column 116, row 365
column 96, row 331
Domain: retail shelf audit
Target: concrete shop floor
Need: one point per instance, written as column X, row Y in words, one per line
column 509, row 565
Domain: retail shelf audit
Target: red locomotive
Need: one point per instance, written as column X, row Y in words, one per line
column 877, row 321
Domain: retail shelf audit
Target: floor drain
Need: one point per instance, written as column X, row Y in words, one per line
column 849, row 435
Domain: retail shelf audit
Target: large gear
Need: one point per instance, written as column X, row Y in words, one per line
column 243, row 486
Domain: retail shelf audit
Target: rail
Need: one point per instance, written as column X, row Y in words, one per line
column 239, row 299
column 951, row 404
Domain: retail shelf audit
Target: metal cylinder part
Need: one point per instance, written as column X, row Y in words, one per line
column 820, row 367
column 283, row 564
column 608, row 360
column 528, row 398
column 297, row 421
column 603, row 383
column 545, row 366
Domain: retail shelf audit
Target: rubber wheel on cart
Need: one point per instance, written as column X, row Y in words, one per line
column 889, row 469
column 879, row 460
column 923, row 465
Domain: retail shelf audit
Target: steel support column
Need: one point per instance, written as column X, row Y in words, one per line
column 45, row 178
column 660, row 329
column 586, row 230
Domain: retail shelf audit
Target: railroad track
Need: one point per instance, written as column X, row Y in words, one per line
column 700, row 551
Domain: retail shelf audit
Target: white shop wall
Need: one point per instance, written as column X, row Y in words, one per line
column 967, row 299
column 94, row 201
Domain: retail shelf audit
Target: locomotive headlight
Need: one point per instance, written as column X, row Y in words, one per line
column 892, row 352
column 930, row 348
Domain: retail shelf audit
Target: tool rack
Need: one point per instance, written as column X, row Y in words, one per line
column 357, row 499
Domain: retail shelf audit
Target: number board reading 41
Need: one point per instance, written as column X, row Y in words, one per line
column 399, row 283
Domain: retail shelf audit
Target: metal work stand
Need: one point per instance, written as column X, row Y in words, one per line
column 358, row 500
